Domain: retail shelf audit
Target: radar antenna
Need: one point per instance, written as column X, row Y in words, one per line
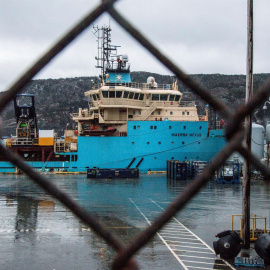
column 105, row 49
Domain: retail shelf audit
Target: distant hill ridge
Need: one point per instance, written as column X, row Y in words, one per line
column 57, row 98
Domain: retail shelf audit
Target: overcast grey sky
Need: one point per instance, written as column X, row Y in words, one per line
column 201, row 36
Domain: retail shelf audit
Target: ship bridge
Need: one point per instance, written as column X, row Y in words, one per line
column 115, row 105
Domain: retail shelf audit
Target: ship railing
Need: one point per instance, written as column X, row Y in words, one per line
column 143, row 86
column 119, row 67
column 74, row 115
column 35, row 141
column 187, row 104
column 23, row 141
column 60, row 146
column 220, row 126
column 84, row 113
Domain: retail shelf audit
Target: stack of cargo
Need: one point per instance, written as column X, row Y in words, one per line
column 200, row 166
column 182, row 170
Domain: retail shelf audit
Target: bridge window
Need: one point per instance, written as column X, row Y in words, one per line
column 131, row 95
column 105, row 94
column 136, row 96
column 164, row 97
column 172, row 97
column 118, row 94
column 177, row 98
column 141, row 97
column 125, row 94
column 94, row 97
column 155, row 96
column 98, row 96
column 112, row 94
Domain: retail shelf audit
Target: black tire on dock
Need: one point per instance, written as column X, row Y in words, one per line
column 228, row 245
column 262, row 247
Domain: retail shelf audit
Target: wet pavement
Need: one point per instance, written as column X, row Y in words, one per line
column 37, row 232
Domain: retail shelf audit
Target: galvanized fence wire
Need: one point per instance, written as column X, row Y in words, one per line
column 234, row 135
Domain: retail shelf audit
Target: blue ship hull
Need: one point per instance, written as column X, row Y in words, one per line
column 151, row 143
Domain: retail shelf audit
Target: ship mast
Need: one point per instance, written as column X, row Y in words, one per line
column 105, row 49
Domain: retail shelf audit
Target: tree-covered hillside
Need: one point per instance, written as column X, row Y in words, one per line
column 57, row 98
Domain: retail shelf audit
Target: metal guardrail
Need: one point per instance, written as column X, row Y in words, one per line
column 255, row 232
column 187, row 104
column 234, row 130
column 23, row 141
column 143, row 86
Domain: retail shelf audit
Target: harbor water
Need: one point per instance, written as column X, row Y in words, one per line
column 37, row 232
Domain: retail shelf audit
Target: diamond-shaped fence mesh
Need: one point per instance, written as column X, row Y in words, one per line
column 234, row 135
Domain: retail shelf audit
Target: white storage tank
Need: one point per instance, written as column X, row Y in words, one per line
column 257, row 144
column 267, row 132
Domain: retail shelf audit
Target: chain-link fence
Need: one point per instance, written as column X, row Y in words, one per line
column 234, row 134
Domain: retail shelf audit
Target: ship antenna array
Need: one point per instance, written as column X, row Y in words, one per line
column 105, row 50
